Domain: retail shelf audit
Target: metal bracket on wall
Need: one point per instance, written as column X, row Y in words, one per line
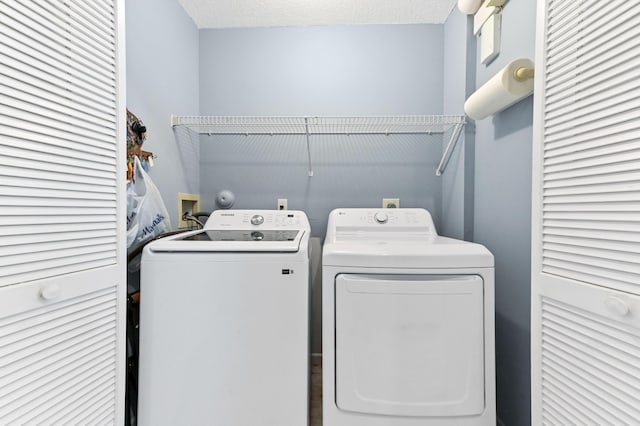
column 308, row 126
column 446, row 155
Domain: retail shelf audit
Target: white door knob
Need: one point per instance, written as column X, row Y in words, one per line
column 617, row 306
column 50, row 292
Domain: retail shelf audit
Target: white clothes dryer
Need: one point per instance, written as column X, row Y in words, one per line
column 408, row 323
column 224, row 323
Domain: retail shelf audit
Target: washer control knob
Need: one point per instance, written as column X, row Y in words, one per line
column 381, row 217
column 257, row 219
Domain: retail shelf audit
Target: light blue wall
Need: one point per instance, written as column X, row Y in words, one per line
column 162, row 79
column 341, row 70
column 459, row 81
column 503, row 215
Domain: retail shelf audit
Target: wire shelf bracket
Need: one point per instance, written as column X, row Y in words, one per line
column 309, row 126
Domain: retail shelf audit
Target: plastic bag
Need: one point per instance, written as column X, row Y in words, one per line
column 147, row 216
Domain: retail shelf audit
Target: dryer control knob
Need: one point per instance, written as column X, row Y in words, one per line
column 381, row 217
column 257, row 219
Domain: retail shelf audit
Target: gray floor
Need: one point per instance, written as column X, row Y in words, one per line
column 315, row 405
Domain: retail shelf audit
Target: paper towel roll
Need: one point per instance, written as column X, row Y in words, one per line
column 469, row 7
column 500, row 92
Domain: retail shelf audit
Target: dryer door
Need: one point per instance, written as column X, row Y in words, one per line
column 410, row 345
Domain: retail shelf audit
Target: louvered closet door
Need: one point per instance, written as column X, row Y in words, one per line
column 62, row 252
column 586, row 214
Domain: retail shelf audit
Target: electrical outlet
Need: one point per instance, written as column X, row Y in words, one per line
column 390, row 203
column 282, row 204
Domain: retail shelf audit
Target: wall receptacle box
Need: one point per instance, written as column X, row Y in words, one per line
column 391, row 203
column 187, row 203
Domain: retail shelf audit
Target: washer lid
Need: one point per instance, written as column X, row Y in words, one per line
column 232, row 240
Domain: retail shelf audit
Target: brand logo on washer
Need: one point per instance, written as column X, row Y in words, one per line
column 227, row 214
column 287, row 271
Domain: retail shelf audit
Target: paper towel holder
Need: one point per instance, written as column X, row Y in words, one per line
column 511, row 84
column 523, row 73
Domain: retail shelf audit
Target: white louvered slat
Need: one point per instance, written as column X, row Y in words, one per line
column 89, row 29
column 24, row 242
column 590, row 143
column 53, row 86
column 95, row 14
column 57, row 267
column 85, row 109
column 71, row 350
column 32, row 120
column 52, row 355
column 619, row 86
column 623, row 121
column 610, row 174
column 54, row 148
column 22, row 170
column 586, row 207
column 87, row 398
column 600, row 188
column 620, row 28
column 590, row 362
column 592, row 251
column 35, row 23
column 595, row 200
column 560, row 400
column 591, row 167
column 19, row 53
column 102, row 393
column 597, row 131
column 588, row 23
column 76, row 187
column 569, row 156
column 58, row 110
column 624, row 248
column 53, row 80
column 61, row 151
column 26, row 191
column 611, row 68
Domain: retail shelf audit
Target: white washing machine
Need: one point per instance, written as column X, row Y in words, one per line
column 224, row 323
column 408, row 323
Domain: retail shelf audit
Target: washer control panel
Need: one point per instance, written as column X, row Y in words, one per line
column 257, row 219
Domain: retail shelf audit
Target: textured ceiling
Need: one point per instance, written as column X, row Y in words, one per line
column 282, row 13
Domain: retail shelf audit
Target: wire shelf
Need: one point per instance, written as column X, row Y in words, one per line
column 229, row 125
column 308, row 126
